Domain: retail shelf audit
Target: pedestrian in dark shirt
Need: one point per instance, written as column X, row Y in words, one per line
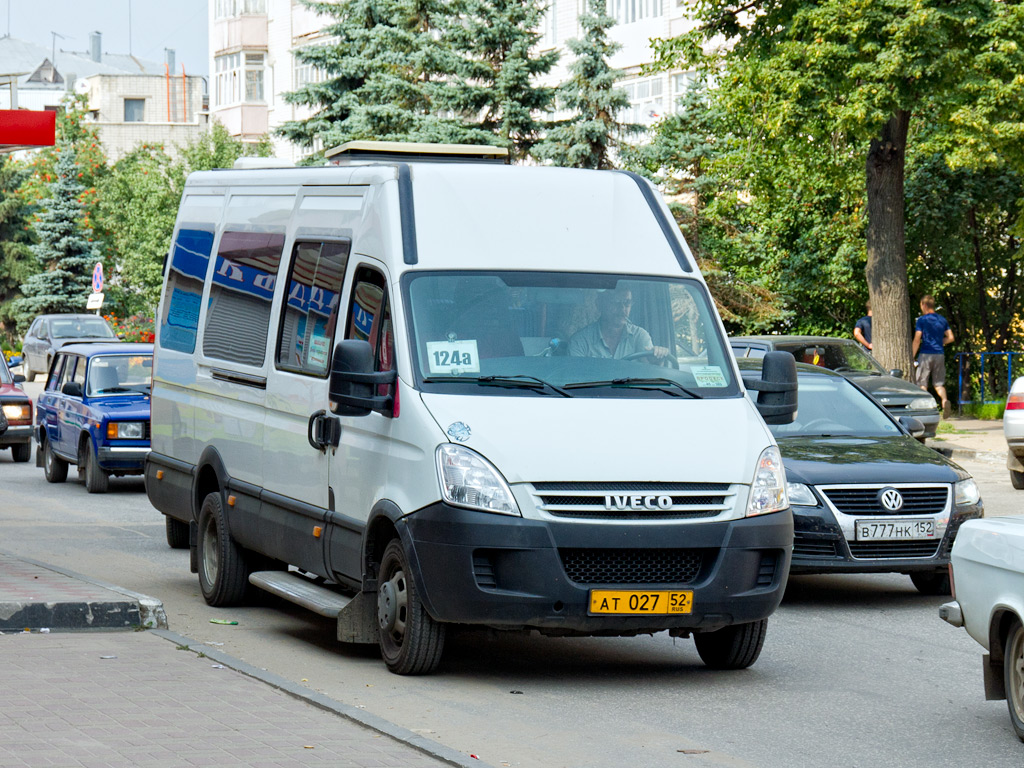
column 931, row 334
column 862, row 330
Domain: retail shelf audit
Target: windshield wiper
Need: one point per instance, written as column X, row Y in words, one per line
column 514, row 381
column 115, row 389
column 643, row 383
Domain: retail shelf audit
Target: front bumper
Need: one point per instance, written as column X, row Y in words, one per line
column 820, row 545
column 128, row 459
column 16, row 436
column 508, row 572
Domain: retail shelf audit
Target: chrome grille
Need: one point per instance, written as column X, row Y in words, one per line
column 930, row 500
column 634, row 501
column 632, row 566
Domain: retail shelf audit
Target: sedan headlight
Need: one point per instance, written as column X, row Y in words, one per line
column 768, row 491
column 126, row 430
column 800, row 495
column 18, row 412
column 469, row 480
column 966, row 493
column 921, row 404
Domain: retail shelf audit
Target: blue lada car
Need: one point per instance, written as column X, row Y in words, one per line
column 94, row 412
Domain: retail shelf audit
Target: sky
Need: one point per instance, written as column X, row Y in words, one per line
column 155, row 25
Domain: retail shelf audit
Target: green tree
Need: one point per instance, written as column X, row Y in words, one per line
column 16, row 260
column 831, row 73
column 65, row 249
column 391, row 76
column 593, row 133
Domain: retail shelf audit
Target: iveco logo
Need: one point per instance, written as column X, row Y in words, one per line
column 891, row 499
column 637, row 501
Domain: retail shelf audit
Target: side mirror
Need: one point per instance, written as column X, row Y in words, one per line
column 72, row 389
column 913, row 426
column 776, row 389
column 354, row 382
column 19, row 378
column 16, row 360
column 897, row 372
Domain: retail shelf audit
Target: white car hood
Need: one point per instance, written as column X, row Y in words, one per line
column 585, row 439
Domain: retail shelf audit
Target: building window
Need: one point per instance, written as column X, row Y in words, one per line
column 254, row 76
column 645, row 97
column 229, row 9
column 134, row 110
column 628, row 11
column 549, row 26
column 231, row 76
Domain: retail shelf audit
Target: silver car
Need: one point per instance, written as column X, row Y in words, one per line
column 48, row 333
column 1013, row 430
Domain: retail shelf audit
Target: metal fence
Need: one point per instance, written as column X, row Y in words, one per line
column 986, row 377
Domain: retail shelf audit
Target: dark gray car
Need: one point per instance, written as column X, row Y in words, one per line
column 48, row 333
column 847, row 357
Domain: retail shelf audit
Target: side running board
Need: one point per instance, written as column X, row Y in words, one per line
column 357, row 616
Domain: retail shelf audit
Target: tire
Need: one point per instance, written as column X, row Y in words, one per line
column 1013, row 677
column 1017, row 479
column 21, row 452
column 735, row 647
column 30, row 375
column 931, row 582
column 96, row 478
column 177, row 533
column 411, row 642
column 55, row 469
column 223, row 572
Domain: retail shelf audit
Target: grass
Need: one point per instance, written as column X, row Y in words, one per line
column 984, row 411
column 947, row 428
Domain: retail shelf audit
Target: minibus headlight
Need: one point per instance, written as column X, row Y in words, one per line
column 469, row 480
column 966, row 493
column 768, row 491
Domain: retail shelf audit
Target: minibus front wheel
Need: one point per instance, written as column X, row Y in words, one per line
column 411, row 642
column 223, row 573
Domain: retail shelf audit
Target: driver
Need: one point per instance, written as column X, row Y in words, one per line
column 612, row 335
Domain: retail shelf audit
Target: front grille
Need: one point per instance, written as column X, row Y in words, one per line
column 864, row 501
column 146, row 431
column 632, row 566
column 806, row 546
column 634, row 501
column 889, row 549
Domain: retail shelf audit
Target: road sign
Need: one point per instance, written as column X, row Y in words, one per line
column 97, row 278
column 95, row 301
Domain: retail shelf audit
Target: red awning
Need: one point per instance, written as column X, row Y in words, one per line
column 25, row 129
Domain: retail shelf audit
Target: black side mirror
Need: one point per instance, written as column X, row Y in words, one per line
column 776, row 389
column 897, row 372
column 72, row 388
column 913, row 426
column 19, row 378
column 354, row 382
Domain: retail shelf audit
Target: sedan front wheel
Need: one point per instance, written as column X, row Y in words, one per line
column 1013, row 677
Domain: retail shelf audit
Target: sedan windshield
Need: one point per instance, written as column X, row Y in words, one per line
column 120, row 375
column 566, row 335
column 5, row 374
column 830, row 406
column 81, row 328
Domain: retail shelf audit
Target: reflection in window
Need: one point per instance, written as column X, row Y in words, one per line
column 180, row 319
column 241, row 291
column 311, row 308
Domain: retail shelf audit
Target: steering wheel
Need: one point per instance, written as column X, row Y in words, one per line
column 667, row 361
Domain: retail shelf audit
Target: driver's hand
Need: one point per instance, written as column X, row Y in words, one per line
column 660, row 352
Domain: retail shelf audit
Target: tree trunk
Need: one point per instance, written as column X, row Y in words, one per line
column 886, row 271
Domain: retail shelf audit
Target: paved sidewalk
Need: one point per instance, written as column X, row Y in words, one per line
column 95, row 699
column 971, row 438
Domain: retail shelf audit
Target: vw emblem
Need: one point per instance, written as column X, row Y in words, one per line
column 890, row 499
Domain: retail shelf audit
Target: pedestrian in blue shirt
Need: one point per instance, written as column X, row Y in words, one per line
column 931, row 334
column 862, row 330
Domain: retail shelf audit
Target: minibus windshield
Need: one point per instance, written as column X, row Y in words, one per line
column 566, row 335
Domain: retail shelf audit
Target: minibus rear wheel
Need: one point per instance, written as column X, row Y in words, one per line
column 223, row 573
column 411, row 642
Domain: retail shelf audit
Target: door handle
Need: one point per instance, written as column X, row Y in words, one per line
column 323, row 431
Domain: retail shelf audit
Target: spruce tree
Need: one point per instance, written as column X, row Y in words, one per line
column 593, row 133
column 390, row 74
column 16, row 260
column 64, row 251
column 499, row 72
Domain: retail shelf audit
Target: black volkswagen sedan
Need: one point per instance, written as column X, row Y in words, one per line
column 900, row 397
column 866, row 496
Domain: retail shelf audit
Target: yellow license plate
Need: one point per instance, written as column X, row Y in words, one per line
column 630, row 603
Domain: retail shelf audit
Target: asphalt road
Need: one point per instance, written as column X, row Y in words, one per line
column 856, row 670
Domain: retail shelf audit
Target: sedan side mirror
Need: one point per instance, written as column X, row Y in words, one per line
column 913, row 425
column 776, row 389
column 72, row 389
column 19, row 378
column 896, row 372
column 353, row 381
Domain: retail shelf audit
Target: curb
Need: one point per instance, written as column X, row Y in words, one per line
column 362, row 717
column 137, row 610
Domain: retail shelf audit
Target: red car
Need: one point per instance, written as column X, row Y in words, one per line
column 17, row 411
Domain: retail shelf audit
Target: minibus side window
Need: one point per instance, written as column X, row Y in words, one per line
column 309, row 313
column 370, row 319
column 190, row 256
